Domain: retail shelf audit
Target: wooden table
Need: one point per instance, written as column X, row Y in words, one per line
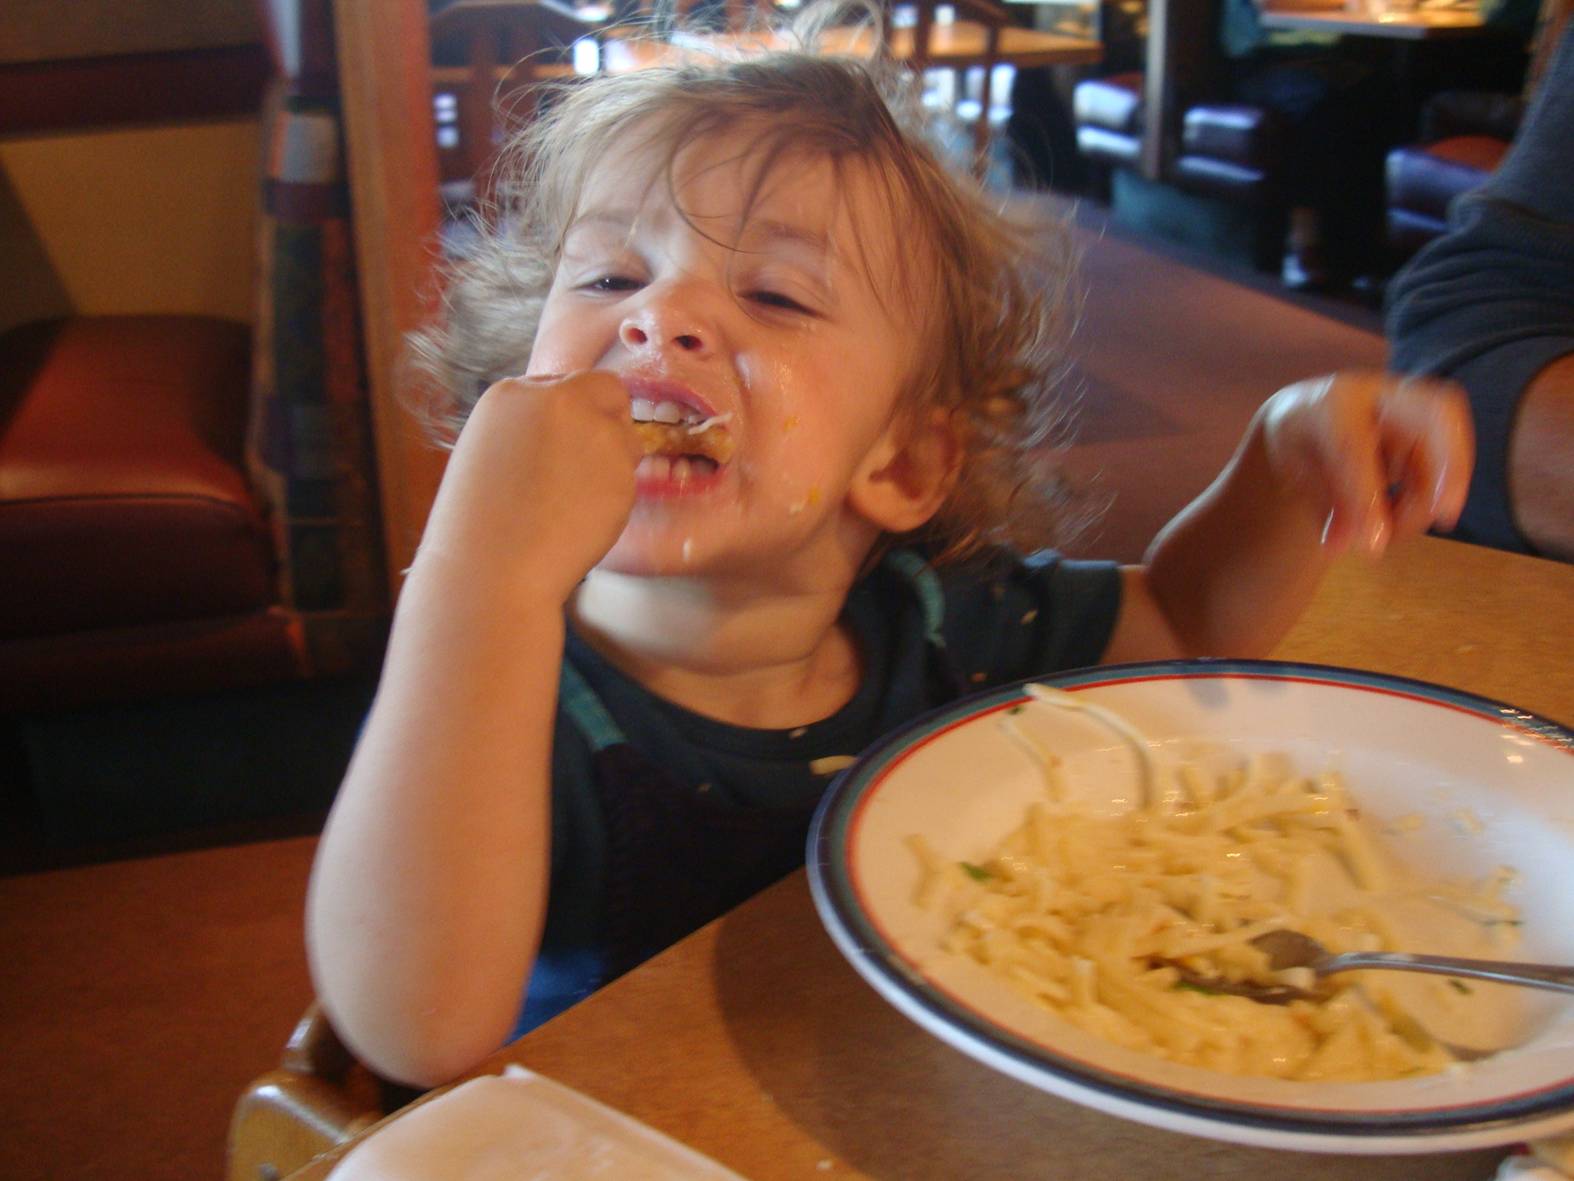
column 1407, row 33
column 1416, row 25
column 1478, row 619
column 953, row 46
column 754, row 1042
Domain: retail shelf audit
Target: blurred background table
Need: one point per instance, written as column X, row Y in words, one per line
column 1412, row 25
column 754, row 1042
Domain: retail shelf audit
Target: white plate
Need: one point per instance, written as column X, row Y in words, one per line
column 1490, row 785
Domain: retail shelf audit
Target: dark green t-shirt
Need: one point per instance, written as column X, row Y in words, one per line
column 994, row 623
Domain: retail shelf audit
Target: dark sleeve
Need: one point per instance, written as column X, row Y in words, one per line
column 1491, row 303
column 578, row 829
column 570, row 961
column 1011, row 619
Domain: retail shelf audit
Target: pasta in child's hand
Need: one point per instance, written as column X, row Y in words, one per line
column 1107, row 920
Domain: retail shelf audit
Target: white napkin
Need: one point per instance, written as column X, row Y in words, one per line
column 1522, row 1167
column 519, row 1126
column 1550, row 1159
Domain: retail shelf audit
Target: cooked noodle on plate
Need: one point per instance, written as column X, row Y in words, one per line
column 1117, row 923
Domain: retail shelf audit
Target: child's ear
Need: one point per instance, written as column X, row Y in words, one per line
column 908, row 474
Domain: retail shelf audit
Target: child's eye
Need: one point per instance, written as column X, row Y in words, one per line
column 613, row 284
column 775, row 299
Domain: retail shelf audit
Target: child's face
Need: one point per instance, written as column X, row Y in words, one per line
column 769, row 321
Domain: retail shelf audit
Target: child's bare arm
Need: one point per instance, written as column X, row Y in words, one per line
column 429, row 889
column 1349, row 461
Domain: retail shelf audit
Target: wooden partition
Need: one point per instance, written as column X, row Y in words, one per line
column 385, row 83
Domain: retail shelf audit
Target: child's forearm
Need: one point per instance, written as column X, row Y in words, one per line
column 1354, row 459
column 429, row 888
column 1232, row 571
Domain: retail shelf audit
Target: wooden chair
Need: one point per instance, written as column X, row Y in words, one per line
column 320, row 1096
column 486, row 56
column 981, row 36
column 513, row 43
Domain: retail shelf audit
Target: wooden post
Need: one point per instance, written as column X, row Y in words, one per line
column 1157, row 89
column 385, row 84
column 1182, row 66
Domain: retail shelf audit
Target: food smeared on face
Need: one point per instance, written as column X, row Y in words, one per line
column 809, row 499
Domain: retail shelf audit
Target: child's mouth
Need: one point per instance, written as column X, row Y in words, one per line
column 671, row 429
column 683, row 449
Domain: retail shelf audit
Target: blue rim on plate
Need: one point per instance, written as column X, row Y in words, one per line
column 903, row 983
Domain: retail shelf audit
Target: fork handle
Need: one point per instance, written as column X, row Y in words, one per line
column 1549, row 976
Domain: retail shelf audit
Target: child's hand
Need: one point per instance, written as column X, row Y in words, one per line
column 541, row 481
column 1383, row 456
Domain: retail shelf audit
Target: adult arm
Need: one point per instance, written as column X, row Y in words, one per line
column 1541, row 461
column 1491, row 305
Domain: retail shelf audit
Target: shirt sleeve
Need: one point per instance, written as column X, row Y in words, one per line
column 1491, row 303
column 1012, row 619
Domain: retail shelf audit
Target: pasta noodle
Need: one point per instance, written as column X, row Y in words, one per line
column 1102, row 919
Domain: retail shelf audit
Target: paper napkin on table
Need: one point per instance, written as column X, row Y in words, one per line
column 1551, row 1159
column 519, row 1126
column 1524, row 1167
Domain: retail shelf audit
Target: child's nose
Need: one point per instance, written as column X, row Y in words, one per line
column 665, row 320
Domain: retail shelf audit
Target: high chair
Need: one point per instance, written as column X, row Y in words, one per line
column 319, row 1096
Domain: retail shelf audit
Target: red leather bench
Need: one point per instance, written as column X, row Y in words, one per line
column 137, row 558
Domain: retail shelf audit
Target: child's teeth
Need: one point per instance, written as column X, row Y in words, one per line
column 671, row 414
column 655, row 467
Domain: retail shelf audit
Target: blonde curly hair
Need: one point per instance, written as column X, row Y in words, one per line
column 1000, row 279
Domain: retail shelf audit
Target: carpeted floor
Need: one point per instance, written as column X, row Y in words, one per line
column 139, row 999
column 140, row 994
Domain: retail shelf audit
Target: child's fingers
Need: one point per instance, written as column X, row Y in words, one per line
column 1353, row 464
column 1389, row 457
column 1427, row 433
column 1360, row 514
column 598, row 391
column 610, row 397
column 1411, row 482
column 1322, row 436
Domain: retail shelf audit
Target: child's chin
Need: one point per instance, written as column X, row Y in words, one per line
column 650, row 557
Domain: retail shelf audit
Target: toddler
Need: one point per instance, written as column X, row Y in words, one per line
column 770, row 483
